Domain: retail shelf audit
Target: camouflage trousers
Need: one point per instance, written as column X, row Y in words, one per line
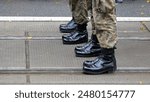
column 79, row 9
column 103, row 19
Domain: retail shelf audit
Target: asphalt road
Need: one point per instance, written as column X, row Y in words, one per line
column 56, row 8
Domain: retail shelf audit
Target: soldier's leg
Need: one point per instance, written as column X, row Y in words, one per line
column 91, row 48
column 105, row 24
column 71, row 25
column 80, row 14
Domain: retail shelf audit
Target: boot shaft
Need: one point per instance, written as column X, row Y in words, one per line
column 81, row 27
column 94, row 38
column 109, row 57
column 108, row 52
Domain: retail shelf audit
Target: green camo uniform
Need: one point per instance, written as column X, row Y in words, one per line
column 79, row 9
column 104, row 15
column 103, row 19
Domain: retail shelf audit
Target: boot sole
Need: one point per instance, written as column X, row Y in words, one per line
column 67, row 31
column 77, row 42
column 90, row 55
column 101, row 72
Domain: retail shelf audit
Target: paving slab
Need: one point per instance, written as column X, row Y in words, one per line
column 11, row 29
column 130, row 27
column 121, row 78
column 52, row 28
column 12, row 54
column 115, row 78
column 53, row 55
column 133, row 35
column 12, row 79
column 133, row 53
column 34, row 28
column 4, row 33
column 124, row 29
column 27, row 26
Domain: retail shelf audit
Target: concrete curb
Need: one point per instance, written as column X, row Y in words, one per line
column 59, row 38
column 66, row 70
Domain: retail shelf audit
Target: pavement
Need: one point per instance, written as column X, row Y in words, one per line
column 33, row 53
column 58, row 8
column 33, row 49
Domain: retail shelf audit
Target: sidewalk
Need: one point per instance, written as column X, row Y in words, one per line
column 46, row 51
column 32, row 53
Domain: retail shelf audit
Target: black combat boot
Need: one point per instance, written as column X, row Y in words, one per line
column 106, row 63
column 69, row 27
column 78, row 36
column 90, row 49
